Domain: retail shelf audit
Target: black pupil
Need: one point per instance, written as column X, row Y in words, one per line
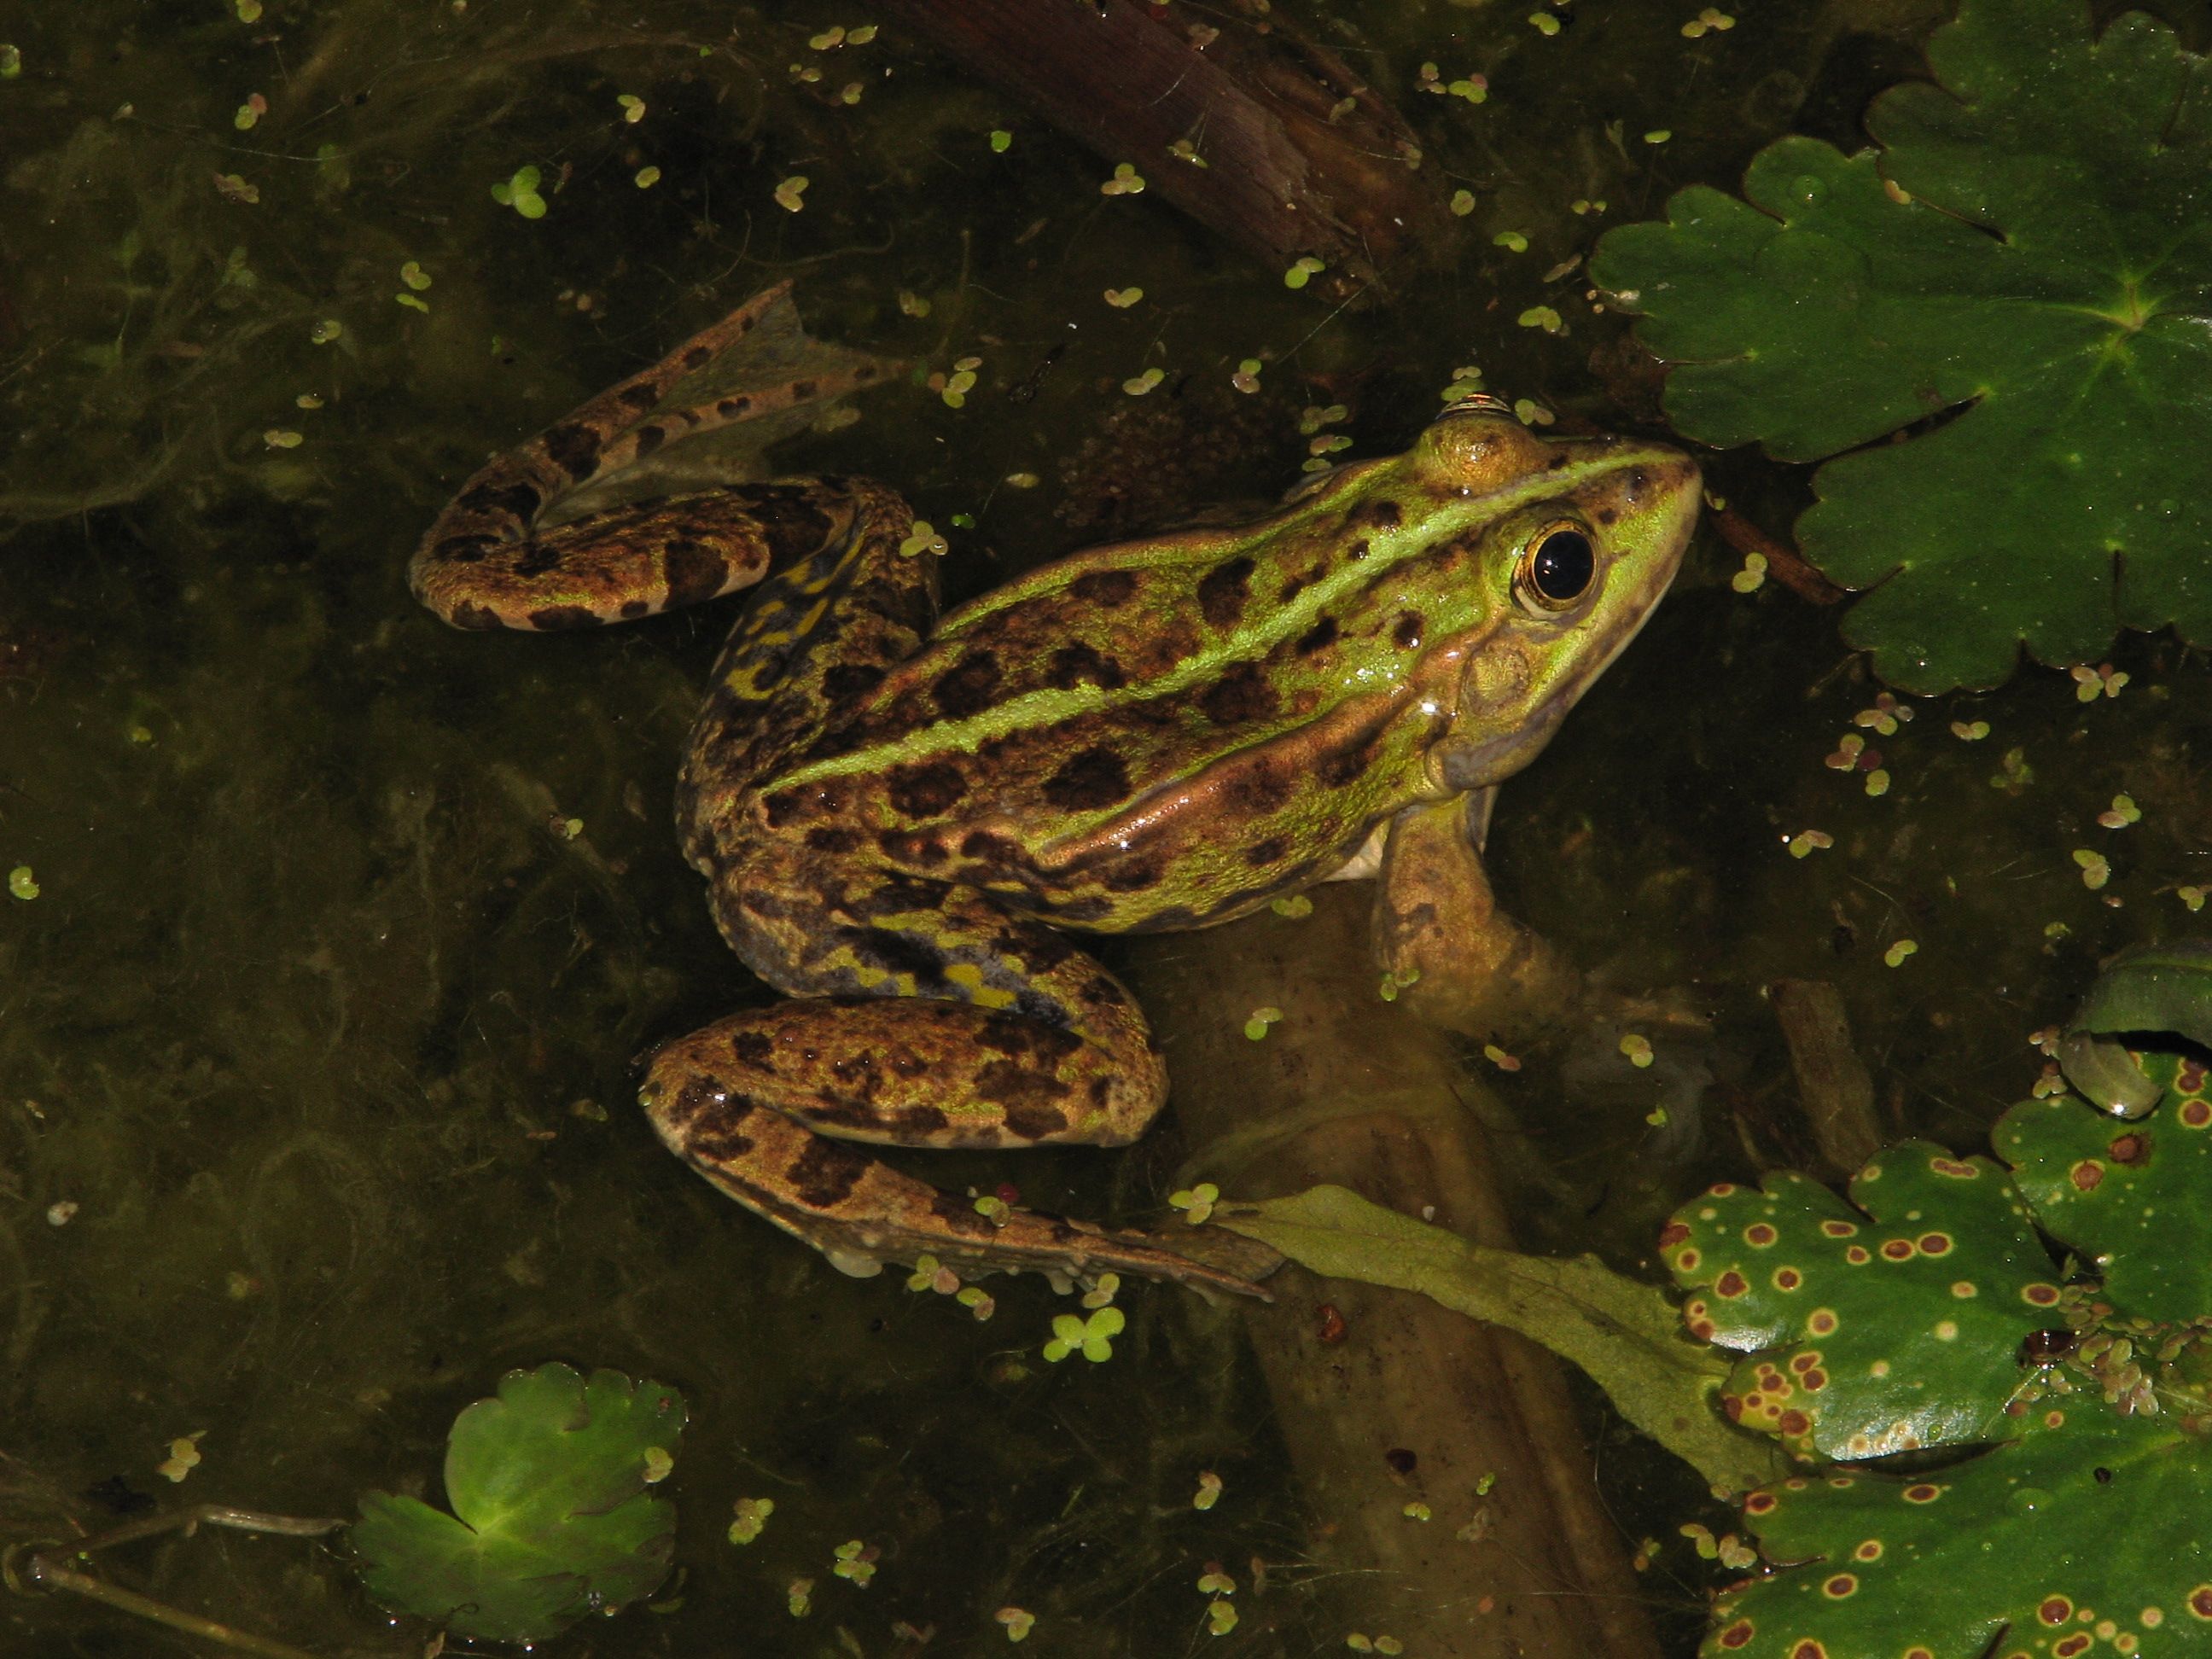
column 1563, row 566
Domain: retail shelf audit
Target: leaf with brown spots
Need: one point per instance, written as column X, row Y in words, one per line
column 1932, row 1314
column 1857, row 1340
column 2137, row 1192
column 2040, row 1540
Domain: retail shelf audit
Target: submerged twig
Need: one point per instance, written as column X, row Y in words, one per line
column 48, row 1565
column 1832, row 1083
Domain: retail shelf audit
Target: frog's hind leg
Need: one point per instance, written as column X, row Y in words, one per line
column 933, row 1019
column 856, row 1209
column 484, row 564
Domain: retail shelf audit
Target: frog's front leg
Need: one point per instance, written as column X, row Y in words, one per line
column 924, row 1017
column 1460, row 962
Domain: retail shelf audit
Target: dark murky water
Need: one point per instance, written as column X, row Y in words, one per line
column 317, row 1040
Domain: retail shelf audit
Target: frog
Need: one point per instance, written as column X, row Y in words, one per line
column 907, row 821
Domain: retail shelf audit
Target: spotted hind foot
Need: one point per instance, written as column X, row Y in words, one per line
column 487, row 563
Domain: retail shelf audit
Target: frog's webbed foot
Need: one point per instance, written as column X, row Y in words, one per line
column 860, row 1212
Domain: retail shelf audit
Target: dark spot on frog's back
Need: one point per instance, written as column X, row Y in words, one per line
column 787, row 806
column 891, row 895
column 1133, row 877
column 912, row 846
column 984, row 848
column 733, row 405
column 1072, row 664
column 1104, row 588
column 1087, row 781
column 967, row 686
column 1384, row 514
column 552, row 618
column 848, row 681
column 1319, row 637
column 824, row 1175
column 1261, row 786
column 1345, row 765
column 926, row 791
column 1268, row 851
column 514, row 500
column 1223, row 591
column 720, row 1140
column 1407, row 633
column 1240, row 697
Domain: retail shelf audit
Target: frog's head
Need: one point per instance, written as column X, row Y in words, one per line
column 1562, row 545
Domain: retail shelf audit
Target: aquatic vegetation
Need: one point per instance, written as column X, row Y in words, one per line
column 1997, row 1373
column 2014, row 283
column 2068, row 1404
column 552, row 1517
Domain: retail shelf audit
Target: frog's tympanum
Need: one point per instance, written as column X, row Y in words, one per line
column 903, row 817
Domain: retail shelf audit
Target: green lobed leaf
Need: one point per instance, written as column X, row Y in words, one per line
column 552, row 1517
column 1626, row 1336
column 2041, row 274
column 2164, row 988
column 1888, row 1324
column 2133, row 1197
column 2067, row 1542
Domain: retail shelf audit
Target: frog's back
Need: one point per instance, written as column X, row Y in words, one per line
column 1121, row 732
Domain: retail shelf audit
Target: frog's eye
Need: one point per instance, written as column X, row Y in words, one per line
column 1555, row 567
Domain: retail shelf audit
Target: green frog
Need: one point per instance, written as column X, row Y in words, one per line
column 903, row 817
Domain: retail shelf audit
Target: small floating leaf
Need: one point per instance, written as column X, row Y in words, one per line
column 551, row 1518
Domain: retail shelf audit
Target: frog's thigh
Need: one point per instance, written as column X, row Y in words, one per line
column 1438, row 931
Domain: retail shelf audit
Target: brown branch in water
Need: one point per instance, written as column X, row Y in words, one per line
column 1264, row 138
column 1783, row 562
column 1834, row 1086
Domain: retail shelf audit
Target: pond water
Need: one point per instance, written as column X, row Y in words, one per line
column 322, row 998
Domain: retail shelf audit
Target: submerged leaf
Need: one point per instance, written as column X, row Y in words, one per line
column 1624, row 1335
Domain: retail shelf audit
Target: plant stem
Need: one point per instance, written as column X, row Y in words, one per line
column 47, row 1568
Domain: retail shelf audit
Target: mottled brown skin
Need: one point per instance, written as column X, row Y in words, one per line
column 898, row 817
